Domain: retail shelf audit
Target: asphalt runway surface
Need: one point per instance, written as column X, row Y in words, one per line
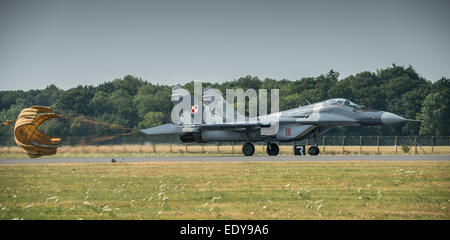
column 326, row 158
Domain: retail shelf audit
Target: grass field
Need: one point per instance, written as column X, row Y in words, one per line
column 226, row 190
column 184, row 150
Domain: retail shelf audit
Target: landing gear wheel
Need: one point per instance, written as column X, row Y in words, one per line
column 248, row 149
column 272, row 149
column 313, row 150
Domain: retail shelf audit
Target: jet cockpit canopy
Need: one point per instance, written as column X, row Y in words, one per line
column 341, row 101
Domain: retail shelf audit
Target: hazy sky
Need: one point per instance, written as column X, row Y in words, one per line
column 74, row 42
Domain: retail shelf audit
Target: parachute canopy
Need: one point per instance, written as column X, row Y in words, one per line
column 34, row 142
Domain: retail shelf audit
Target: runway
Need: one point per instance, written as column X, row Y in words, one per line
column 326, row 158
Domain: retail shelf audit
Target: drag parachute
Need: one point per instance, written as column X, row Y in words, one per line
column 34, row 142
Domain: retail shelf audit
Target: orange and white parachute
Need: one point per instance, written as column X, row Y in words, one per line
column 34, row 142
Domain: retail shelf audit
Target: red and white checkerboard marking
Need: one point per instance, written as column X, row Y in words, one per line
column 194, row 109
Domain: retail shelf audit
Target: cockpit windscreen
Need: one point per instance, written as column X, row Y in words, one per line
column 341, row 101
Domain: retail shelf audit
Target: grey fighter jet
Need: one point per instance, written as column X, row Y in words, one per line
column 292, row 125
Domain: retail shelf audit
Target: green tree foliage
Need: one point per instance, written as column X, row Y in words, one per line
column 75, row 100
column 134, row 103
column 151, row 119
column 152, row 98
column 435, row 110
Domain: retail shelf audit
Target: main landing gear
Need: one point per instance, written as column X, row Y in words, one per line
column 272, row 149
column 248, row 149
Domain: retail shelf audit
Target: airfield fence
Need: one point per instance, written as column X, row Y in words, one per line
column 142, row 139
column 327, row 144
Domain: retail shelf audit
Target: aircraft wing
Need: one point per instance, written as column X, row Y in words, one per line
column 163, row 130
column 167, row 129
column 231, row 125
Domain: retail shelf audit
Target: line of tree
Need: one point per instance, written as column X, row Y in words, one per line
column 135, row 103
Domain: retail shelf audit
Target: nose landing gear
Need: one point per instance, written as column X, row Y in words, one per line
column 313, row 150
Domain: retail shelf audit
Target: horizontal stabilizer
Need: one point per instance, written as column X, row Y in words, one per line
column 413, row 120
column 162, row 130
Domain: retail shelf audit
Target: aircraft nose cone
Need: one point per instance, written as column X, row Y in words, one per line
column 388, row 118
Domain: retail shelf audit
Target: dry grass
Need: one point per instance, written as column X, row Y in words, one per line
column 172, row 149
column 226, row 190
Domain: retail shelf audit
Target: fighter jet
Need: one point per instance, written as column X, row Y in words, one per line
column 292, row 125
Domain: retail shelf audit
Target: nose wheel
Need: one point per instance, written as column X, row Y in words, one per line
column 313, row 150
column 248, row 149
column 272, row 149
